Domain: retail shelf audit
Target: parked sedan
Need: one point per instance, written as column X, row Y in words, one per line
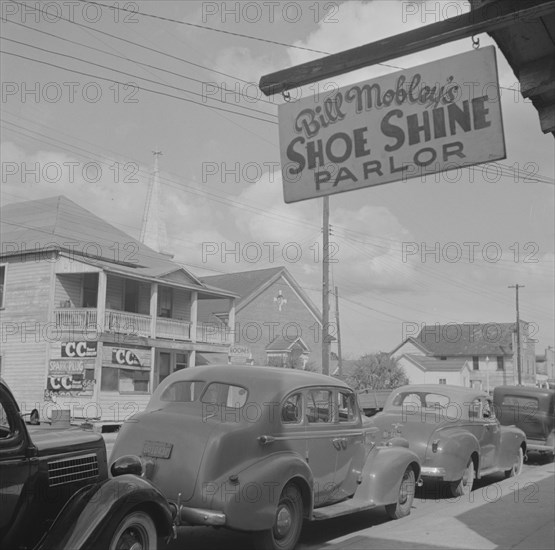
column 55, row 491
column 260, row 448
column 530, row 409
column 455, row 433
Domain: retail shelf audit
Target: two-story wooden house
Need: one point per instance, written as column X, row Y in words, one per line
column 275, row 320
column 471, row 354
column 91, row 318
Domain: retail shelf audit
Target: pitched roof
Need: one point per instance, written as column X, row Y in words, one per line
column 433, row 364
column 284, row 344
column 58, row 223
column 249, row 284
column 467, row 339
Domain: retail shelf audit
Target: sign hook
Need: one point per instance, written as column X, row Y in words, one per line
column 475, row 42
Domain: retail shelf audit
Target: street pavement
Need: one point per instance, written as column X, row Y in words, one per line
column 517, row 513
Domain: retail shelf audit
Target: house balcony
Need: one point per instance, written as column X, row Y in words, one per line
column 123, row 322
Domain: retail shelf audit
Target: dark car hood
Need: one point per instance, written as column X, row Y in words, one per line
column 50, row 441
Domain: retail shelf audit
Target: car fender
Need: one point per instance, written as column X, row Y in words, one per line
column 455, row 447
column 93, row 513
column 383, row 472
column 512, row 438
column 250, row 497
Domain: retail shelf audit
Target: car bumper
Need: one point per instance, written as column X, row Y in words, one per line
column 200, row 516
column 429, row 471
column 539, row 446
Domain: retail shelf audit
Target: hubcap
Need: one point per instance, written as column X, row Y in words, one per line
column 131, row 539
column 283, row 521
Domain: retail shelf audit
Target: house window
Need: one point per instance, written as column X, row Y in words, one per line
column 475, row 363
column 126, row 380
column 500, row 362
column 2, row 284
column 90, row 289
column 165, row 299
column 164, row 365
column 443, row 358
column 443, row 380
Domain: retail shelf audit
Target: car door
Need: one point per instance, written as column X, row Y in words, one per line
column 323, row 447
column 14, row 464
column 350, row 455
column 490, row 434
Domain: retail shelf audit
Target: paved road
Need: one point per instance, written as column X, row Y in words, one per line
column 500, row 513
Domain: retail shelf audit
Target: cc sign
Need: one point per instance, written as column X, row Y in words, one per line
column 124, row 356
column 79, row 349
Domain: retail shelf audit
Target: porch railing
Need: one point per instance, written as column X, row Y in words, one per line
column 173, row 329
column 71, row 318
column 124, row 322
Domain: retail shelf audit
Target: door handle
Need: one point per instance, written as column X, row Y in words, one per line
column 337, row 443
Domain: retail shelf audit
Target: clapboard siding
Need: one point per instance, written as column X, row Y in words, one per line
column 25, row 327
column 68, row 287
column 181, row 305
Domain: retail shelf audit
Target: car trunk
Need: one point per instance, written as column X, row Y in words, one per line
column 173, row 441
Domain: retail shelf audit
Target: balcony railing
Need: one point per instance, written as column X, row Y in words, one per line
column 173, row 329
column 81, row 318
column 123, row 322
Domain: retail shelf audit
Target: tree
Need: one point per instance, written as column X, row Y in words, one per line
column 377, row 371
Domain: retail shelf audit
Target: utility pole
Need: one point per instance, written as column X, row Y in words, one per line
column 518, row 360
column 325, row 288
column 339, row 357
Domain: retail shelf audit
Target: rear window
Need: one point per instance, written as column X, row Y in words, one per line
column 529, row 403
column 421, row 399
column 225, row 395
column 183, row 391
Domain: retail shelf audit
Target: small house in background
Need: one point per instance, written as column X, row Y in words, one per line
column 274, row 317
column 481, row 355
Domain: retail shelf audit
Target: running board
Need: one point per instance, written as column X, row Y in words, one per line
column 340, row 509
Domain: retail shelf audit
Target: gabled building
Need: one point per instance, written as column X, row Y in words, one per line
column 472, row 354
column 274, row 318
column 92, row 318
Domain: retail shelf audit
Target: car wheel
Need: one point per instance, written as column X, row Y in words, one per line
column 136, row 531
column 288, row 522
column 464, row 485
column 402, row 507
column 517, row 465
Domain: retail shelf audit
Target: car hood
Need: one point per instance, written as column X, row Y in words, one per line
column 171, row 442
column 51, row 440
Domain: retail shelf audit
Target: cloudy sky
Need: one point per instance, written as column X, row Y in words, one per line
column 89, row 92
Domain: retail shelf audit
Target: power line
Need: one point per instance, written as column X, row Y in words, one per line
column 132, row 75
column 246, row 96
column 138, row 87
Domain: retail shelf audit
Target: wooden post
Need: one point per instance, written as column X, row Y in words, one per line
column 194, row 314
column 153, row 308
column 101, row 301
column 325, row 289
column 339, row 356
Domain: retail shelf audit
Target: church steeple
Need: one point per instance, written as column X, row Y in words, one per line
column 153, row 229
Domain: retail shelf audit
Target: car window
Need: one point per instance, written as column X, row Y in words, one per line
column 435, row 400
column 292, row 409
column 183, row 391
column 5, row 429
column 225, row 395
column 528, row 403
column 346, row 406
column 318, row 407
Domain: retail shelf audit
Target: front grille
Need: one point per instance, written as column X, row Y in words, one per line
column 69, row 470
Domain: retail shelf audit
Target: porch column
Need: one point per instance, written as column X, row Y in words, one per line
column 101, row 301
column 194, row 314
column 192, row 358
column 153, row 308
column 231, row 319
